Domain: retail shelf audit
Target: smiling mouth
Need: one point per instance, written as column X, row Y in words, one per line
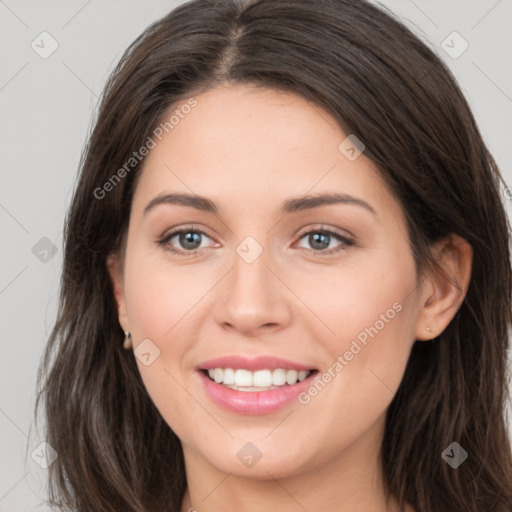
column 260, row 380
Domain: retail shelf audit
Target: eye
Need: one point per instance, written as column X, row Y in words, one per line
column 190, row 241
column 188, row 238
column 321, row 241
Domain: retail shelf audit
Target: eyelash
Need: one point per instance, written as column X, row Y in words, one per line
column 165, row 239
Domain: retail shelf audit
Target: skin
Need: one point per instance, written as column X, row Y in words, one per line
column 249, row 150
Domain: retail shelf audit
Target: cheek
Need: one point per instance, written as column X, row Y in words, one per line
column 360, row 300
column 161, row 301
column 160, row 295
column 372, row 313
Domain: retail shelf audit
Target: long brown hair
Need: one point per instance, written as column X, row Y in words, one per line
column 379, row 81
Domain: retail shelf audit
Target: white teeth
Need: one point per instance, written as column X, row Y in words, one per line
column 260, row 380
column 291, row 377
column 279, row 377
column 229, row 376
column 242, row 377
column 302, row 375
column 218, row 375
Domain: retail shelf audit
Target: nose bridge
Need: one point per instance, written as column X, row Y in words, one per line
column 254, row 296
column 250, row 279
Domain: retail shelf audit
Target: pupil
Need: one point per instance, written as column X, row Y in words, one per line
column 319, row 238
column 189, row 238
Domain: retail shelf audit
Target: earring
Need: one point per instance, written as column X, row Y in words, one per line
column 127, row 340
column 429, row 329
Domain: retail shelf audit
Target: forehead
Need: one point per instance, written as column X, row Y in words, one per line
column 255, row 147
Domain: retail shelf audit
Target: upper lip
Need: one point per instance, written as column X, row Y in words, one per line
column 252, row 364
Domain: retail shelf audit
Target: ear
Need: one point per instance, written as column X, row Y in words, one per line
column 443, row 291
column 115, row 270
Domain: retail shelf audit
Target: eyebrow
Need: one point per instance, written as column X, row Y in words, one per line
column 289, row 206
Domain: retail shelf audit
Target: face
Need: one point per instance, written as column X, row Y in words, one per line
column 304, row 312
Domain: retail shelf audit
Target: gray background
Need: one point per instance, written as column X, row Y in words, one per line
column 47, row 106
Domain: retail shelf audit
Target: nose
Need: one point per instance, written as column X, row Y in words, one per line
column 253, row 301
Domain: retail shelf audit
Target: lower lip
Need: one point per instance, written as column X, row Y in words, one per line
column 253, row 402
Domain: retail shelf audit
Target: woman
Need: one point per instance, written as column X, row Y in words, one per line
column 286, row 277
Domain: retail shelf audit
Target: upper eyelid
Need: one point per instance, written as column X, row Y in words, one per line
column 328, row 229
column 171, row 233
column 319, row 228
